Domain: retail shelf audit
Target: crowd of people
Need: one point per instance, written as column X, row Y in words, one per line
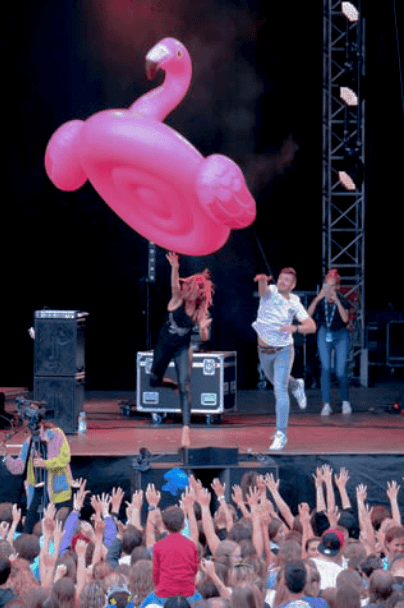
column 216, row 547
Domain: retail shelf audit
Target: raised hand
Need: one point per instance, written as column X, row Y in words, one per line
column 195, row 484
column 318, row 477
column 153, row 496
column 237, row 495
column 271, row 483
column 173, row 259
column 80, row 548
column 50, row 511
column 327, row 473
column 204, row 497
column 262, row 277
column 253, row 497
column 342, row 479
column 16, row 513
column 392, row 490
column 105, row 502
column 188, row 499
column 58, row 535
column 218, row 487
column 361, row 493
column 79, row 498
column 116, row 499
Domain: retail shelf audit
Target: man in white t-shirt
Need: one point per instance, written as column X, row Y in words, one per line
column 328, row 561
column 278, row 308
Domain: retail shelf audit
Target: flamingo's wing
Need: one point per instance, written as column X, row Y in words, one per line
column 223, row 193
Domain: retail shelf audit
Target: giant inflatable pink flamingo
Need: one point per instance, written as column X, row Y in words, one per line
column 150, row 175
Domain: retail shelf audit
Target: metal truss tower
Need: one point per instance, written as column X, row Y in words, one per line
column 344, row 150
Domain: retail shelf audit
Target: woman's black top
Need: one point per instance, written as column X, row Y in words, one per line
column 177, row 328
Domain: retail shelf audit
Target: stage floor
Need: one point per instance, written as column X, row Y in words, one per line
column 369, row 444
column 371, row 429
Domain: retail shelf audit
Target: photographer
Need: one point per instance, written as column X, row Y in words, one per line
column 44, row 460
column 331, row 312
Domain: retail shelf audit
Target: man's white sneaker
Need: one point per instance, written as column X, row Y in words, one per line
column 299, row 393
column 346, row 407
column 326, row 411
column 279, row 441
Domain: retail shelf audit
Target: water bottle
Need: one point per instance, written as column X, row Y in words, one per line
column 82, row 423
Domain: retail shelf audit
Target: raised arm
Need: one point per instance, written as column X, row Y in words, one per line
column 318, row 483
column 284, row 510
column 187, row 505
column 203, row 496
column 152, row 498
column 238, row 499
column 253, row 496
column 263, row 284
column 327, row 476
column 313, row 304
column 174, row 262
column 392, row 494
column 367, row 536
column 340, row 481
column 304, row 514
column 219, row 489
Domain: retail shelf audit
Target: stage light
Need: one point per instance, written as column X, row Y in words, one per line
column 348, row 96
column 350, row 171
column 350, row 12
column 349, row 81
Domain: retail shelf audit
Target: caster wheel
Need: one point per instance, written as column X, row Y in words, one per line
column 157, row 419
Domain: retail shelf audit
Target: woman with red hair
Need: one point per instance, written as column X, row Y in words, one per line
column 331, row 313
column 188, row 307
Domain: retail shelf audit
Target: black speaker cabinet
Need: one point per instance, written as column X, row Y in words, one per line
column 64, row 399
column 59, row 342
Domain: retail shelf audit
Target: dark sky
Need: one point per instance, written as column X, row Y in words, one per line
column 256, row 93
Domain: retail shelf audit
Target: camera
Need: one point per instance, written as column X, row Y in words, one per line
column 32, row 411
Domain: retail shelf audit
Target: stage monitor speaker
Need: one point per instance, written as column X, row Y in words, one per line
column 64, row 398
column 212, row 457
column 59, row 342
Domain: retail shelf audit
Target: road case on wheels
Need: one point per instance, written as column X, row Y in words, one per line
column 213, row 385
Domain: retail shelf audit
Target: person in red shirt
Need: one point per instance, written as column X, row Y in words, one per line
column 175, row 562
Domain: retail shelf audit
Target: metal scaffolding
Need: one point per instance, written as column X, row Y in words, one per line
column 344, row 142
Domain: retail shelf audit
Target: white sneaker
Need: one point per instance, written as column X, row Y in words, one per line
column 326, row 411
column 299, row 393
column 279, row 441
column 346, row 407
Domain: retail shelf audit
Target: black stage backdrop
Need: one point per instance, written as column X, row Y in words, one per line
column 255, row 96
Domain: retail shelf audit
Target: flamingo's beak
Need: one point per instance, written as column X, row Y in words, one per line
column 152, row 67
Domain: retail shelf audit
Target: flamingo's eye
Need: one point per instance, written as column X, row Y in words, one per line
column 179, row 53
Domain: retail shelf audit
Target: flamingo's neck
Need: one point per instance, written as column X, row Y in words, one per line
column 159, row 102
